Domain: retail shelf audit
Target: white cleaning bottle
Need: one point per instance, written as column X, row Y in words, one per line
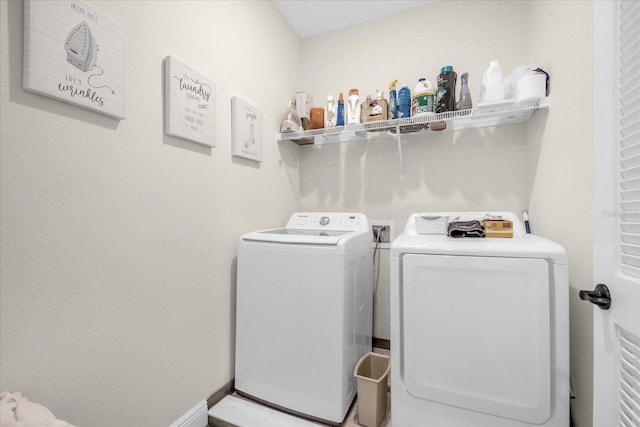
column 353, row 107
column 330, row 112
column 423, row 98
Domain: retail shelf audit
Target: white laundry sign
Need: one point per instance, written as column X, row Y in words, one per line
column 246, row 130
column 190, row 103
column 75, row 54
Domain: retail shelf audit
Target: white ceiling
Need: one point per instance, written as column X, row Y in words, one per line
column 310, row 18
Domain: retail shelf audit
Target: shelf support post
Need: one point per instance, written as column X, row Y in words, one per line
column 399, row 141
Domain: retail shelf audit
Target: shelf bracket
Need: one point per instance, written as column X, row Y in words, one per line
column 399, row 142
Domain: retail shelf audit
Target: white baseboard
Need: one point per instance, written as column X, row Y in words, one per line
column 196, row 417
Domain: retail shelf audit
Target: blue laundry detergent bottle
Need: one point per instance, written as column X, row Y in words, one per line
column 404, row 102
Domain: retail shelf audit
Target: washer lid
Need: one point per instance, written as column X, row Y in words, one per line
column 298, row 236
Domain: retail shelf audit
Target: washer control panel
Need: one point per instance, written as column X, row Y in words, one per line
column 329, row 221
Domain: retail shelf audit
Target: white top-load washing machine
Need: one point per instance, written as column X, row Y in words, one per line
column 304, row 313
column 479, row 327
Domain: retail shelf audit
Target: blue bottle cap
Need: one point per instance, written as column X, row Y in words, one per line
column 446, row 69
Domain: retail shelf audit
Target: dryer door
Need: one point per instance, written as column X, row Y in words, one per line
column 477, row 335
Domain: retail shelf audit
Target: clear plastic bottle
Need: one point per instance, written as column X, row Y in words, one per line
column 382, row 106
column 464, row 102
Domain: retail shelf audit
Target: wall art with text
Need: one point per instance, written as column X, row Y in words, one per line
column 75, row 54
column 190, row 103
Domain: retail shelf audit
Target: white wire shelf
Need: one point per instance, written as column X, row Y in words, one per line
column 499, row 114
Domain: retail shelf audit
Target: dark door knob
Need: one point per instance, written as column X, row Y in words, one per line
column 600, row 296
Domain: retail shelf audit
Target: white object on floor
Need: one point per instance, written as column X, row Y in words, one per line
column 244, row 413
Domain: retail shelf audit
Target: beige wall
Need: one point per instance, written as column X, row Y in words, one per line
column 118, row 243
column 545, row 165
column 561, row 167
column 448, row 171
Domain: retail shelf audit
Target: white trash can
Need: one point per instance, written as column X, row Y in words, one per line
column 372, row 372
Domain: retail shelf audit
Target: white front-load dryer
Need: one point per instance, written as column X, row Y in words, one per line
column 479, row 327
column 304, row 313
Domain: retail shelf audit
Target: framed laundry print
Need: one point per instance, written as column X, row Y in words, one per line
column 75, row 54
column 246, row 130
column 190, row 103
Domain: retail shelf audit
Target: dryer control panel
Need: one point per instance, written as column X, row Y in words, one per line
column 329, row 221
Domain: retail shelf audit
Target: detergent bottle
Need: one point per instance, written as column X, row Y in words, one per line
column 393, row 100
column 423, row 98
column 492, row 85
column 446, row 95
column 404, row 102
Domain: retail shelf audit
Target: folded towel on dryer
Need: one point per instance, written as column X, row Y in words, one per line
column 472, row 228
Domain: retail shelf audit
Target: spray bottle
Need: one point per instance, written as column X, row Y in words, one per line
column 393, row 100
column 381, row 108
column 464, row 102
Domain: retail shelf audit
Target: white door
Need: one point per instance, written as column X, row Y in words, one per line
column 458, row 348
column 617, row 213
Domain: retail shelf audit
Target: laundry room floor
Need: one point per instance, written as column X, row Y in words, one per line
column 352, row 417
column 240, row 412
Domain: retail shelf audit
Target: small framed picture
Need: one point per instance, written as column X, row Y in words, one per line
column 246, row 130
column 75, row 54
column 190, row 104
